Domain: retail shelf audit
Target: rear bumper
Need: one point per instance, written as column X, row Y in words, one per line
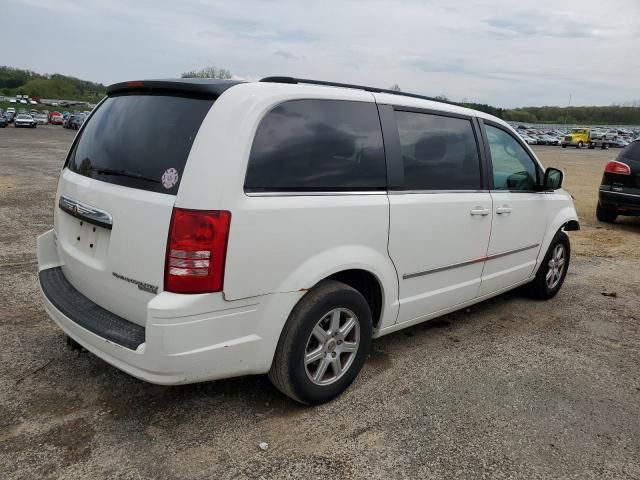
column 187, row 338
column 625, row 203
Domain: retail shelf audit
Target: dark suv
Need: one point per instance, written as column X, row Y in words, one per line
column 620, row 186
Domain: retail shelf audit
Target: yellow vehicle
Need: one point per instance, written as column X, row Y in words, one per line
column 583, row 136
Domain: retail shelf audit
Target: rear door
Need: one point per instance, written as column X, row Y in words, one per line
column 116, row 194
column 440, row 213
column 519, row 211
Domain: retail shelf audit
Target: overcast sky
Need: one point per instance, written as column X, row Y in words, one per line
column 502, row 52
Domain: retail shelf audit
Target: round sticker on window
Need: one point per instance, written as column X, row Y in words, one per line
column 170, row 178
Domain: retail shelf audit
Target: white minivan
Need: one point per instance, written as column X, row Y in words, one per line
column 206, row 229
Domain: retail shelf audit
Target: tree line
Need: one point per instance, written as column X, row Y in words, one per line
column 612, row 115
column 15, row 81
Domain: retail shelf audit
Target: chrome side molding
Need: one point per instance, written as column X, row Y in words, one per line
column 406, row 276
column 86, row 212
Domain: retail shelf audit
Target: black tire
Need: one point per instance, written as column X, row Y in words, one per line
column 564, row 146
column 539, row 288
column 591, row 146
column 607, row 215
column 580, row 144
column 288, row 371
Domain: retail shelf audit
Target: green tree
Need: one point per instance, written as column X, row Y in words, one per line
column 209, row 72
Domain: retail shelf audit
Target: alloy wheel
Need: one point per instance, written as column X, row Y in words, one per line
column 332, row 346
column 556, row 266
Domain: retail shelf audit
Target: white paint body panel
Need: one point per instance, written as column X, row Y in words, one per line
column 435, row 230
column 523, row 228
column 280, row 246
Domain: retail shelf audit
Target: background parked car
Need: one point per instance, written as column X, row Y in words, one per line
column 56, row 119
column 41, row 119
column 4, row 121
column 52, row 114
column 620, row 184
column 67, row 121
column 76, row 121
column 24, row 120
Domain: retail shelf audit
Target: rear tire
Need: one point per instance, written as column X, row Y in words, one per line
column 564, row 146
column 553, row 269
column 607, row 215
column 318, row 355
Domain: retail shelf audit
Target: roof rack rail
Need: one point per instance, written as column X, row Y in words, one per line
column 293, row 80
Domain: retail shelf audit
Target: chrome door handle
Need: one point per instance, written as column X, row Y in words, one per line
column 480, row 211
column 503, row 209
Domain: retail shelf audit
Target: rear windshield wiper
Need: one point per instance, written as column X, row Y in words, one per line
column 122, row 173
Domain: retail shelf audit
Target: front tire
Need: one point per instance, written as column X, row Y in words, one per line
column 323, row 345
column 580, row 144
column 553, row 270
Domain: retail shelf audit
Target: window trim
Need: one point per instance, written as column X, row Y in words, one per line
column 297, row 192
column 393, row 153
column 539, row 172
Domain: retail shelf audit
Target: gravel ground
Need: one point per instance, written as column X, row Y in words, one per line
column 510, row 388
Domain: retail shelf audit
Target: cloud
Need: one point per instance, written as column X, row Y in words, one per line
column 287, row 55
column 529, row 52
column 538, row 25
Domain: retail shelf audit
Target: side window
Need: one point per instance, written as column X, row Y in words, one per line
column 318, row 145
column 438, row 153
column 513, row 168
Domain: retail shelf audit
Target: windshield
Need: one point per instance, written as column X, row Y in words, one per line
column 139, row 141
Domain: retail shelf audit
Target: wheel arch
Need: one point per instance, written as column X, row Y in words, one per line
column 362, row 268
column 565, row 219
column 368, row 285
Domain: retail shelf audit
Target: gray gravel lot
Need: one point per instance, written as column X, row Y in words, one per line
column 510, row 388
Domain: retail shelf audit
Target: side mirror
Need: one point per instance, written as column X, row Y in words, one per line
column 552, row 179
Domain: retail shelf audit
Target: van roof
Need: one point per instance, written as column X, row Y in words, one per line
column 213, row 88
column 217, row 87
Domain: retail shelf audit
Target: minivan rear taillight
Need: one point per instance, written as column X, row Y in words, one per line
column 196, row 251
column 617, row 167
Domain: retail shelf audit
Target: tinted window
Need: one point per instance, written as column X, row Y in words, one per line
column 135, row 140
column 631, row 151
column 438, row 153
column 513, row 168
column 316, row 145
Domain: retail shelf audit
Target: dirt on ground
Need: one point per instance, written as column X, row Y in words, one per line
column 509, row 389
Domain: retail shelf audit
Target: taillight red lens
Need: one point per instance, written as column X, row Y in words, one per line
column 196, row 251
column 617, row 167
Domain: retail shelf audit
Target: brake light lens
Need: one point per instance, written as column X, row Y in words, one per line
column 617, row 167
column 196, row 251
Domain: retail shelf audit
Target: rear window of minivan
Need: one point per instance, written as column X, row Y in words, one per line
column 139, row 141
column 318, row 145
